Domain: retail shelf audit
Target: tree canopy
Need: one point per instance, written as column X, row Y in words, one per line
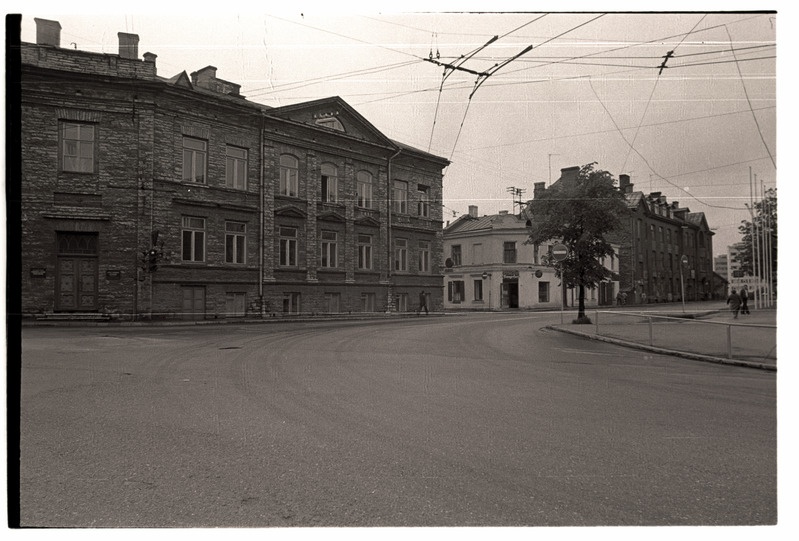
column 765, row 226
column 579, row 212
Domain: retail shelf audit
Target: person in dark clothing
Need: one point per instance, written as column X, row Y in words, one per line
column 744, row 300
column 422, row 303
column 734, row 300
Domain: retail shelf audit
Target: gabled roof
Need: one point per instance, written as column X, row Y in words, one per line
column 181, row 79
column 493, row 222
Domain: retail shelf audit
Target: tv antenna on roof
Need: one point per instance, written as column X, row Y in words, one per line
column 516, row 195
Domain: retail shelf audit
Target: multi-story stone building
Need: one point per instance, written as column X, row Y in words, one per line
column 652, row 241
column 490, row 265
column 145, row 196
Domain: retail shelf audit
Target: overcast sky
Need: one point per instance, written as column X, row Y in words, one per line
column 590, row 90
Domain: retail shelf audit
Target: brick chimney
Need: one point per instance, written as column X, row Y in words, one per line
column 206, row 78
column 128, row 45
column 569, row 174
column 625, row 186
column 538, row 189
column 48, row 32
column 473, row 211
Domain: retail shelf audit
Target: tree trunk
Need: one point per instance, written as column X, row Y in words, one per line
column 581, row 302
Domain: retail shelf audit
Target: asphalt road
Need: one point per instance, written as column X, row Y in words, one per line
column 468, row 420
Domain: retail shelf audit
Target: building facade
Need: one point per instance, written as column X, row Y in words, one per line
column 489, row 265
column 144, row 196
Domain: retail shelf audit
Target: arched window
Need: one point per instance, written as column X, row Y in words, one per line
column 289, row 175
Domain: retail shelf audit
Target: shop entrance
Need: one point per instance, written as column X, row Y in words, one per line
column 510, row 294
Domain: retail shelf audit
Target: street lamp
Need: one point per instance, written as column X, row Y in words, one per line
column 683, row 264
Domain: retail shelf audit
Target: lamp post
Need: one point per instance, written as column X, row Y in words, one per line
column 683, row 264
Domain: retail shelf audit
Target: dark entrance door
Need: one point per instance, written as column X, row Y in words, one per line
column 76, row 272
column 510, row 294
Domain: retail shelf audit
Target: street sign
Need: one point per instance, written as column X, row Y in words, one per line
column 684, row 260
column 559, row 252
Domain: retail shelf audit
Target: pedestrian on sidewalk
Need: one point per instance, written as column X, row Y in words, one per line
column 744, row 300
column 422, row 303
column 734, row 300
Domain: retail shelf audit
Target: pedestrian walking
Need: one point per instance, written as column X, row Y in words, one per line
column 623, row 298
column 744, row 300
column 618, row 299
column 422, row 303
column 734, row 300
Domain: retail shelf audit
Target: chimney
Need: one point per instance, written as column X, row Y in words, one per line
column 48, row 32
column 128, row 45
column 538, row 189
column 625, row 186
column 473, row 211
column 503, row 212
column 569, row 174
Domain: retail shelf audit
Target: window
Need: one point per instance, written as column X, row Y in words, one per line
column 194, row 155
column 193, row 238
column 329, row 183
column 289, row 176
column 236, row 168
column 478, row 290
column 400, row 197
column 402, row 302
column 543, row 291
column 424, row 201
column 509, row 252
column 291, row 303
column 365, row 252
column 424, row 256
column 328, row 249
column 477, row 254
column 77, row 147
column 367, row 302
column 400, row 254
column 235, row 244
column 333, row 302
column 235, row 304
column 288, row 247
column 456, row 255
column 364, row 185
column 455, row 291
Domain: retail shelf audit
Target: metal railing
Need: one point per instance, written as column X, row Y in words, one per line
column 733, row 340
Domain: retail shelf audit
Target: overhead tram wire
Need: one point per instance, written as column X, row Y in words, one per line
column 654, row 86
column 749, row 101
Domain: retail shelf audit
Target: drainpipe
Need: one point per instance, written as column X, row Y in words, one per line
column 388, row 212
column 261, row 210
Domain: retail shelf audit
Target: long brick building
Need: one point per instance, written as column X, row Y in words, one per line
column 147, row 196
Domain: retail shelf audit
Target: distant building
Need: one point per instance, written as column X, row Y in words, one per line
column 490, row 266
column 146, row 196
column 652, row 242
column 721, row 266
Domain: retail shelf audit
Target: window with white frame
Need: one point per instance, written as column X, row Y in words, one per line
column 400, row 254
column 288, row 246
column 509, row 252
column 478, row 290
column 328, row 255
column 367, row 302
column 289, row 176
column 424, row 256
column 235, row 242
column 365, row 252
column 455, row 254
column 194, row 159
column 193, row 239
column 424, row 201
column 329, row 183
column 236, row 168
column 77, row 147
column 399, row 199
column 364, row 187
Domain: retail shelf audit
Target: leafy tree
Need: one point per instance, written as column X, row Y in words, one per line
column 579, row 213
column 765, row 223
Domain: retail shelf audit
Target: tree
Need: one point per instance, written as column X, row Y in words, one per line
column 764, row 243
column 579, row 212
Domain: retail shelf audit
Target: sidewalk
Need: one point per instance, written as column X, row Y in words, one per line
column 705, row 331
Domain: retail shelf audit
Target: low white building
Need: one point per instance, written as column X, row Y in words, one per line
column 489, row 266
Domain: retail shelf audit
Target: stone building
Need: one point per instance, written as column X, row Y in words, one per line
column 144, row 196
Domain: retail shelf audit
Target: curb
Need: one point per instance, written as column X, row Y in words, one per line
column 664, row 351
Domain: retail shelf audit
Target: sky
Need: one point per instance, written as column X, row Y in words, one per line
column 702, row 131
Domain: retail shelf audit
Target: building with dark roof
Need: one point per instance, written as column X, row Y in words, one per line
column 176, row 197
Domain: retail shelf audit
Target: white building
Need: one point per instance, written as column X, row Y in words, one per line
column 489, row 266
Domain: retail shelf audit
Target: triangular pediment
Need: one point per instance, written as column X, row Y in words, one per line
column 290, row 212
column 331, row 217
column 333, row 115
column 367, row 221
